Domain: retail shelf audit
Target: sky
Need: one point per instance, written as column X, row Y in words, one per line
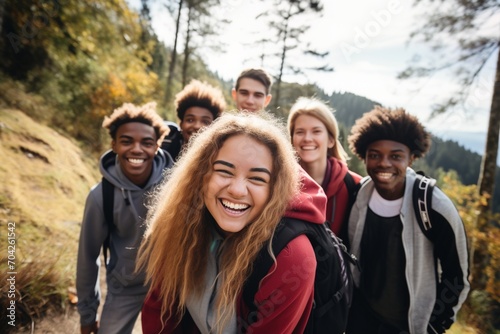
column 367, row 41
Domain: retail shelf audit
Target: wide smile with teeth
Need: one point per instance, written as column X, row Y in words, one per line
column 384, row 176
column 308, row 148
column 234, row 206
column 135, row 161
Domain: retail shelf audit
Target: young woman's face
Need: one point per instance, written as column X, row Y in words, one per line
column 194, row 119
column 135, row 144
column 386, row 163
column 239, row 185
column 310, row 139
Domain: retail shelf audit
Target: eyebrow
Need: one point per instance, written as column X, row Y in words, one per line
column 255, row 169
column 256, row 92
column 193, row 115
column 392, row 151
column 132, row 138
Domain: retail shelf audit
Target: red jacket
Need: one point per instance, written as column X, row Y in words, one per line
column 336, row 192
column 285, row 297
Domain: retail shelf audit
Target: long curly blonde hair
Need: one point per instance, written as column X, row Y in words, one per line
column 176, row 246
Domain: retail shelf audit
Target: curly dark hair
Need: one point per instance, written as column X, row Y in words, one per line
column 200, row 94
column 129, row 112
column 389, row 124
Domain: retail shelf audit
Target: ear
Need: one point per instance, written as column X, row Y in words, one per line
column 268, row 99
column 331, row 142
column 412, row 159
column 113, row 145
column 233, row 93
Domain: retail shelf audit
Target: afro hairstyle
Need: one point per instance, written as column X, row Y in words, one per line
column 389, row 124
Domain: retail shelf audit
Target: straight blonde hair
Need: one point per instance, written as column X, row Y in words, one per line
column 320, row 110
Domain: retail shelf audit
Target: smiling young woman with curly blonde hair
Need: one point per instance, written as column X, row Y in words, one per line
column 201, row 243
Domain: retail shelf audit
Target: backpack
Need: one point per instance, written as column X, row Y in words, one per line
column 333, row 284
column 172, row 143
column 108, row 198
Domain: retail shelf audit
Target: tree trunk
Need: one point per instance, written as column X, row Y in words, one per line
column 479, row 251
column 2, row 9
column 173, row 60
column 486, row 182
column 185, row 64
column 283, row 57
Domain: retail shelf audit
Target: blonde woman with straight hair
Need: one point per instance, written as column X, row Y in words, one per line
column 219, row 207
column 314, row 134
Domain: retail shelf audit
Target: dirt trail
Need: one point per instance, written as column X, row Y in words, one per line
column 68, row 322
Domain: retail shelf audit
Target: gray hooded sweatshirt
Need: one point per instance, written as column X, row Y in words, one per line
column 437, row 286
column 129, row 213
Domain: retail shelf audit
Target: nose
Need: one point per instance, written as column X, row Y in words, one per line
column 307, row 135
column 237, row 188
column 384, row 161
column 136, row 147
column 250, row 99
column 197, row 125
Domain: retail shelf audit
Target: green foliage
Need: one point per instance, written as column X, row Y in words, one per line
column 484, row 247
column 86, row 60
column 349, row 107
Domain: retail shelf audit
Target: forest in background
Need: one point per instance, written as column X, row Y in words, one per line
column 67, row 64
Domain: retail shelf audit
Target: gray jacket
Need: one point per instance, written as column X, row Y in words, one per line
column 129, row 213
column 440, row 285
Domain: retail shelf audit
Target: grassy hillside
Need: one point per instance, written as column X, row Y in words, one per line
column 45, row 180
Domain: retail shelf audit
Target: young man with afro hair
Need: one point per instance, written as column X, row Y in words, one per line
column 131, row 169
column 405, row 282
column 197, row 106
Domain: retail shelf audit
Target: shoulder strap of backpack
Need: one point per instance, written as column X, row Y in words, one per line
column 108, row 194
column 285, row 232
column 352, row 193
column 422, row 202
column 352, row 188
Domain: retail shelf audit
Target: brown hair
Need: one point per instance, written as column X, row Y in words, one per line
column 129, row 112
column 200, row 94
column 256, row 74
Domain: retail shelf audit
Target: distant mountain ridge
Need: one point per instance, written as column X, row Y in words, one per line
column 474, row 141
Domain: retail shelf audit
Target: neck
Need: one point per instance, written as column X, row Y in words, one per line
column 315, row 169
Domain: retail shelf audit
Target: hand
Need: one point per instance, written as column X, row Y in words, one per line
column 90, row 329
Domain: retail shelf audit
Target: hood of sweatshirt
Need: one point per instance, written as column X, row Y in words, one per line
column 338, row 171
column 109, row 167
column 310, row 203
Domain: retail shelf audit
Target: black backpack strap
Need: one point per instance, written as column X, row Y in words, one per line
column 287, row 230
column 263, row 263
column 352, row 189
column 352, row 192
column 422, row 202
column 108, row 194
